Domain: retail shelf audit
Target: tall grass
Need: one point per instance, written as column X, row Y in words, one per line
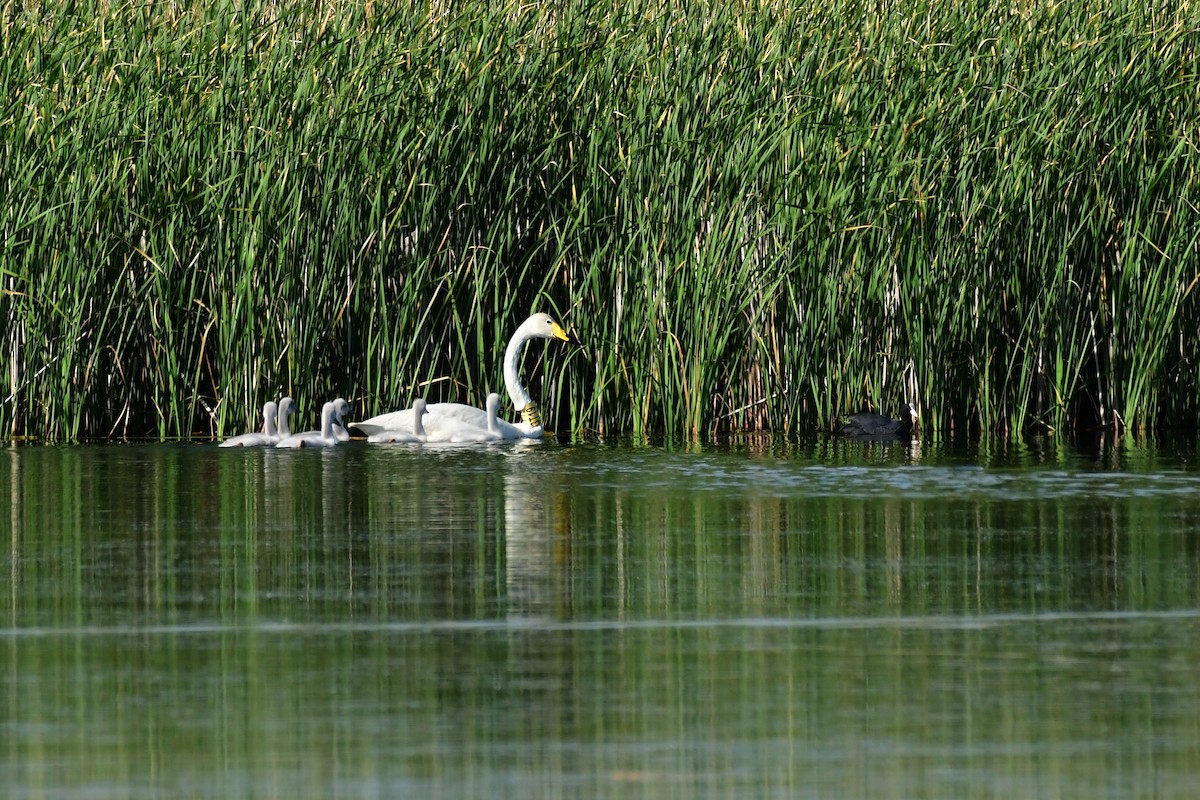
column 757, row 215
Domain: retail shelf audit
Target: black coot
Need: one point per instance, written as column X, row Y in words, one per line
column 868, row 423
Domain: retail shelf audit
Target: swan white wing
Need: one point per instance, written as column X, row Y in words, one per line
column 505, row 431
column 248, row 440
column 470, row 427
column 493, row 432
column 439, row 418
column 443, row 420
column 519, row 430
column 391, row 421
column 414, row 436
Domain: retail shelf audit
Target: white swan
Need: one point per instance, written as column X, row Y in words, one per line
column 340, row 409
column 444, row 419
column 283, row 427
column 489, row 434
column 268, row 434
column 416, row 437
column 322, row 438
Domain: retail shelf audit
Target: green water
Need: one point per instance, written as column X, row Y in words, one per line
column 822, row 620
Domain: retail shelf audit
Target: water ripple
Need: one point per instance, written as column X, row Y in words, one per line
column 916, row 622
column 725, row 473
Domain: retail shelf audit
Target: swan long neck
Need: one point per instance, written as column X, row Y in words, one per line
column 327, row 415
column 284, row 428
column 512, row 380
column 269, row 419
column 418, row 423
column 493, row 409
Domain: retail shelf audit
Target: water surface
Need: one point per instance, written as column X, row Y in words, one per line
column 826, row 619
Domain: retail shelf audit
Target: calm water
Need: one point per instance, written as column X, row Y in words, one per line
column 826, row 620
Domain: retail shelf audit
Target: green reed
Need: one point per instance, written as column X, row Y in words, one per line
column 758, row 216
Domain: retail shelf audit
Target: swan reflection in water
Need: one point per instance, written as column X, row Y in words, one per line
column 536, row 529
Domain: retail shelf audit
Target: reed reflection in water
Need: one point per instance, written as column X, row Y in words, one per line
column 555, row 621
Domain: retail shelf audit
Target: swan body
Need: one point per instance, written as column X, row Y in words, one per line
column 418, row 435
column 268, row 434
column 443, row 420
column 489, row 434
column 868, row 424
column 322, row 438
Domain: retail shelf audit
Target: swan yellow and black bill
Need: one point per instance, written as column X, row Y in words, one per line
column 560, row 333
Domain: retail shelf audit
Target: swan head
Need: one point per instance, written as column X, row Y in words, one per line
column 542, row 326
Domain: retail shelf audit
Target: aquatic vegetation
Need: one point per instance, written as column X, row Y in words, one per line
column 757, row 215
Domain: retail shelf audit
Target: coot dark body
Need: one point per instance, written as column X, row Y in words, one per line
column 868, row 424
